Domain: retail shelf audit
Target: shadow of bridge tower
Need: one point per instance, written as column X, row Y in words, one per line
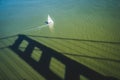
column 73, row 69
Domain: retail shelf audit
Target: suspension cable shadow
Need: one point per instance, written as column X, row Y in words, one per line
column 95, row 41
column 85, row 56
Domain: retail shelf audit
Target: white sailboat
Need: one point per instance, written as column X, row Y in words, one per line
column 50, row 23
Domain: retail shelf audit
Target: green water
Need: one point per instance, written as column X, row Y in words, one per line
column 79, row 19
column 86, row 19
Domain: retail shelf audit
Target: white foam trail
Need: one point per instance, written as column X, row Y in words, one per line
column 35, row 28
column 25, row 31
column 30, row 29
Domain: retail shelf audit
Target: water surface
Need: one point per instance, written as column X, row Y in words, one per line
column 86, row 19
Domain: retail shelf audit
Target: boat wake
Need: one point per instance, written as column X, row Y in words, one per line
column 49, row 24
column 35, row 28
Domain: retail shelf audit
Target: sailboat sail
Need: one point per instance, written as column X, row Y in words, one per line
column 50, row 23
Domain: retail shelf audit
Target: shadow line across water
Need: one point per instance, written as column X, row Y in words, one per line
column 85, row 56
column 110, row 42
column 60, row 38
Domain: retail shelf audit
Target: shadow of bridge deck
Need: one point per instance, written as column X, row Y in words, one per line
column 73, row 69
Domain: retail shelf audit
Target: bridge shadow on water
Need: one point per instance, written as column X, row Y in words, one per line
column 73, row 69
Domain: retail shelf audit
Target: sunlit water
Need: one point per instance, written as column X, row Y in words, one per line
column 84, row 19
